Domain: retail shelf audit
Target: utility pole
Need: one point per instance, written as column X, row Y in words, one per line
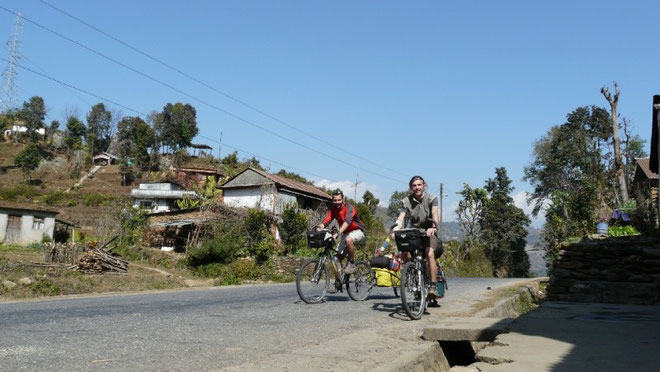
column 440, row 204
column 356, row 185
column 656, row 127
column 9, row 97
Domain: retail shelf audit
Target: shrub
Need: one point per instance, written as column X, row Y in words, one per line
column 22, row 191
column 97, row 200
column 245, row 269
column 224, row 246
column 46, row 239
column 292, row 229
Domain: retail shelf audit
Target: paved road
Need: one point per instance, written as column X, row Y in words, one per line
column 202, row 329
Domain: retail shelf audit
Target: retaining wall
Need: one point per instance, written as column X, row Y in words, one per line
column 614, row 270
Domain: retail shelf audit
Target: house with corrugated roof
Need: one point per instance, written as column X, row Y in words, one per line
column 254, row 188
column 23, row 224
column 645, row 182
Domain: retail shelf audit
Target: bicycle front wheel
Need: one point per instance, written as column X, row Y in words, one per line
column 360, row 282
column 312, row 281
column 413, row 293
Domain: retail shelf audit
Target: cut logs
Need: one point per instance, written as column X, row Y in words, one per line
column 97, row 261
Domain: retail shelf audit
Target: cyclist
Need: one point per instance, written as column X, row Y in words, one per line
column 351, row 228
column 422, row 211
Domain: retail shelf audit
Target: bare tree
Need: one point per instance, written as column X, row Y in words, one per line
column 618, row 162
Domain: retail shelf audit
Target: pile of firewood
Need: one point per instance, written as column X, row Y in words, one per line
column 97, row 261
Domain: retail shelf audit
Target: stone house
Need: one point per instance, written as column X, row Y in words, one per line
column 159, row 196
column 23, row 226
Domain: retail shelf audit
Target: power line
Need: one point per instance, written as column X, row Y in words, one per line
column 202, row 101
column 217, row 90
column 76, row 88
column 141, row 113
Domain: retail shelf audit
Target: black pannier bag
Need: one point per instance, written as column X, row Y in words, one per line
column 318, row 238
column 408, row 240
column 381, row 262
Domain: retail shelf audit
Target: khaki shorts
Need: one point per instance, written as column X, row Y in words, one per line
column 355, row 235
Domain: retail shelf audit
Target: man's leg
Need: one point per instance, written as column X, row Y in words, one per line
column 352, row 238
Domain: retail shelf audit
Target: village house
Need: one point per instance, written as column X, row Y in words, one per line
column 104, row 158
column 23, row 225
column 20, row 129
column 159, row 196
column 254, row 188
column 645, row 182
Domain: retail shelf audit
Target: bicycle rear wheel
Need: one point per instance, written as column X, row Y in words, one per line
column 312, row 281
column 360, row 282
column 413, row 291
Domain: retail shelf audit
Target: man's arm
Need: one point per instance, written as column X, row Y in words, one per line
column 436, row 221
column 326, row 220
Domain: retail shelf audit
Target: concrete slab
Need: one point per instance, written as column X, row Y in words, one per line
column 578, row 337
column 466, row 329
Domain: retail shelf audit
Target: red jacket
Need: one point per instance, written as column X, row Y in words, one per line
column 346, row 214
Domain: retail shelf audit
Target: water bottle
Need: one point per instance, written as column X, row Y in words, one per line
column 383, row 247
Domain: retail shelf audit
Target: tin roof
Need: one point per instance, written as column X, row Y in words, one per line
column 285, row 183
column 644, row 165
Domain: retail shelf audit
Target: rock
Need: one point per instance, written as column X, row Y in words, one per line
column 8, row 284
column 25, row 281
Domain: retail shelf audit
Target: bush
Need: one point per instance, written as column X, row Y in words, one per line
column 97, row 200
column 20, row 191
column 292, row 229
column 245, row 269
column 226, row 244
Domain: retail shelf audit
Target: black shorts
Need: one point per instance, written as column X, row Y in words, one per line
column 435, row 243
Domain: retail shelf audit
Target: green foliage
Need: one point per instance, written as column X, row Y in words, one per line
column 474, row 265
column 187, row 202
column 36, row 247
column 46, row 239
column 226, row 243
column 33, row 114
column 135, row 138
column 131, row 221
column 19, row 192
column 396, row 203
column 45, row 287
column 622, row 231
column 98, row 200
column 292, row 229
column 469, row 212
column 504, row 229
column 28, row 159
column 98, row 127
column 176, row 125
column 75, row 131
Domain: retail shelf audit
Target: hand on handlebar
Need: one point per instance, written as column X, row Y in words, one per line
column 431, row 231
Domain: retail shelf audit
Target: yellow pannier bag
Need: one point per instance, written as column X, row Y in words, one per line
column 386, row 278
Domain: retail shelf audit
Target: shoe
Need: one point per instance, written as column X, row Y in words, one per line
column 350, row 268
column 433, row 291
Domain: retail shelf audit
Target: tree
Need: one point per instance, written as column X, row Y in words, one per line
column 75, row 131
column 396, row 203
column 370, row 201
column 33, row 114
column 293, row 176
column 613, row 100
column 504, row 228
column 177, row 125
column 28, row 159
column 98, row 127
column 633, row 148
column 135, row 137
column 469, row 214
column 54, row 126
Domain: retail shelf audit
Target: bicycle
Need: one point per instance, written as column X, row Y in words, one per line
column 313, row 277
column 414, row 274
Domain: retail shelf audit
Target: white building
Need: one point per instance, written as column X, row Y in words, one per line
column 254, row 188
column 23, row 226
column 159, row 196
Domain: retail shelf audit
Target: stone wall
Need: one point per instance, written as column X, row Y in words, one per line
column 614, row 270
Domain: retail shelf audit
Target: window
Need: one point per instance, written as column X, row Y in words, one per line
column 146, row 204
column 38, row 223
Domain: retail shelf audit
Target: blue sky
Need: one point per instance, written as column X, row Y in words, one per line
column 447, row 90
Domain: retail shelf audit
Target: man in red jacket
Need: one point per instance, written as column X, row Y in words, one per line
column 351, row 228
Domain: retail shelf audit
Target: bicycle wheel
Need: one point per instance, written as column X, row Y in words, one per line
column 360, row 282
column 312, row 281
column 413, row 293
